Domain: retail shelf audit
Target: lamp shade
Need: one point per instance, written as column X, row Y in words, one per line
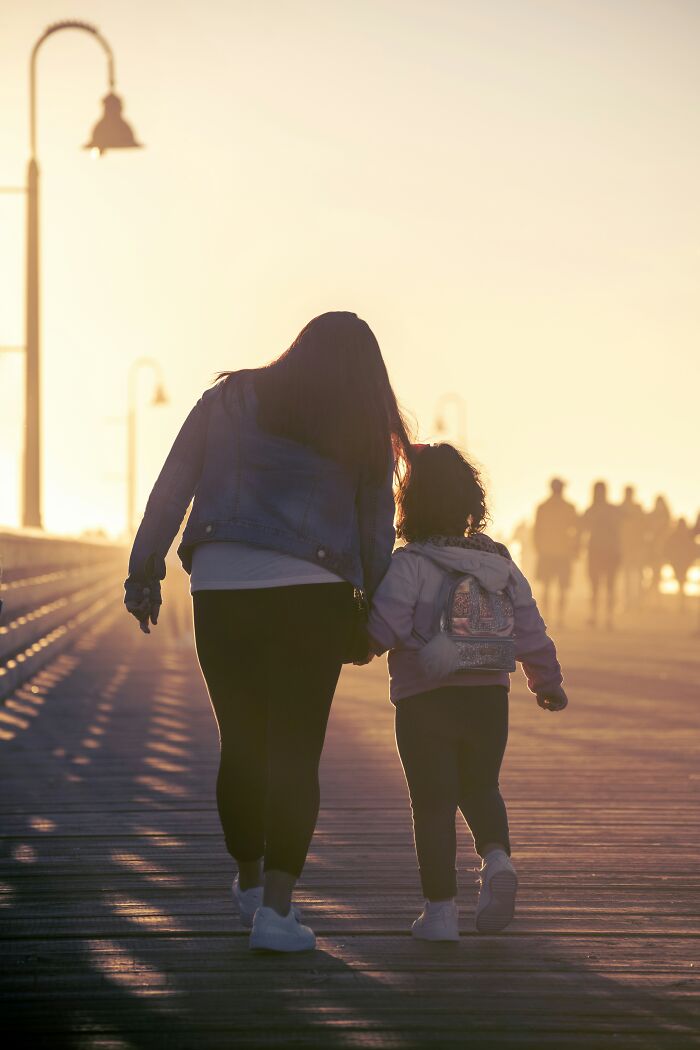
column 112, row 131
column 160, row 397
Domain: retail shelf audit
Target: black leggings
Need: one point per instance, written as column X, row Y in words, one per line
column 451, row 742
column 271, row 660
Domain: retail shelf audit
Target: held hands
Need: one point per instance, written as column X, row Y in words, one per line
column 554, row 699
column 363, row 663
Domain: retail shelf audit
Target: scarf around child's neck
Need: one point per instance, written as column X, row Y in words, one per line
column 477, row 541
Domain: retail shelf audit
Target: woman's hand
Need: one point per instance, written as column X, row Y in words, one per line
column 554, row 699
column 145, row 608
column 142, row 593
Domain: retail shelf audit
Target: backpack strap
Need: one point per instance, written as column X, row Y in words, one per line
column 450, row 580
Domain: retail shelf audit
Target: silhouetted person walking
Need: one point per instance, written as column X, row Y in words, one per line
column 601, row 525
column 632, row 533
column 681, row 553
column 291, row 470
column 556, row 541
column 658, row 527
column 523, row 535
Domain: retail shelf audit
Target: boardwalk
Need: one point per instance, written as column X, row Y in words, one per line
column 118, row 927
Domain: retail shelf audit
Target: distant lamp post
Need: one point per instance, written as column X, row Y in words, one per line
column 444, row 403
column 110, row 132
column 159, row 398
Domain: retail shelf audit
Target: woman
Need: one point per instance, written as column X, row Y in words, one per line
column 291, row 469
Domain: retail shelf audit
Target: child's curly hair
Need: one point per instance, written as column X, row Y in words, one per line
column 440, row 495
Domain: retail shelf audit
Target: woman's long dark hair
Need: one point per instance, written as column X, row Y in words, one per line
column 330, row 390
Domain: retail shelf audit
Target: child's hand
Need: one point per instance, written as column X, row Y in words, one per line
column 554, row 699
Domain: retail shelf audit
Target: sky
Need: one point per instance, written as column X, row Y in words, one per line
column 506, row 190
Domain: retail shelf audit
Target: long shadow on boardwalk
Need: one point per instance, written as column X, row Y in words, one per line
column 147, row 995
column 119, row 931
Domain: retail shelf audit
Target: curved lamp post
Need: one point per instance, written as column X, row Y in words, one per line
column 110, row 132
column 457, row 402
column 159, row 398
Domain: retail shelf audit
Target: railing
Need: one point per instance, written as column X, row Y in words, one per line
column 50, row 587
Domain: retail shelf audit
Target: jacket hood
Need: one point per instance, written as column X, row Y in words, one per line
column 493, row 571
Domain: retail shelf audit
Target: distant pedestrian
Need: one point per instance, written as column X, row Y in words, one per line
column 601, row 526
column 681, row 552
column 291, row 469
column 657, row 530
column 556, row 543
column 452, row 698
column 632, row 533
column 523, row 539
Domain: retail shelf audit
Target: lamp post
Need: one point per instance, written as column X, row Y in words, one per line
column 452, row 399
column 159, row 398
column 110, row 132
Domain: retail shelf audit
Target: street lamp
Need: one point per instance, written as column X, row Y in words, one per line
column 456, row 401
column 159, row 398
column 110, row 132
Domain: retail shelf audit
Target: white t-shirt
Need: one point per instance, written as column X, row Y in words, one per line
column 231, row 566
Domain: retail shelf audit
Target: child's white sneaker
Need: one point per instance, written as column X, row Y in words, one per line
column 248, row 902
column 439, row 921
column 276, row 933
column 499, row 884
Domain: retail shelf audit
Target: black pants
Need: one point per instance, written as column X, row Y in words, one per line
column 271, row 660
column 451, row 742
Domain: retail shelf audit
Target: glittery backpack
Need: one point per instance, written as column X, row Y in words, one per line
column 475, row 630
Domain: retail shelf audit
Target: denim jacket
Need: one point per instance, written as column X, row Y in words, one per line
column 253, row 487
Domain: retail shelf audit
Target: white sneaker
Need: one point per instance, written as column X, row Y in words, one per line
column 499, row 884
column 274, row 933
column 248, row 902
column 439, row 921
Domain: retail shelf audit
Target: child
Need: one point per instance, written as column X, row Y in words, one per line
column 451, row 729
